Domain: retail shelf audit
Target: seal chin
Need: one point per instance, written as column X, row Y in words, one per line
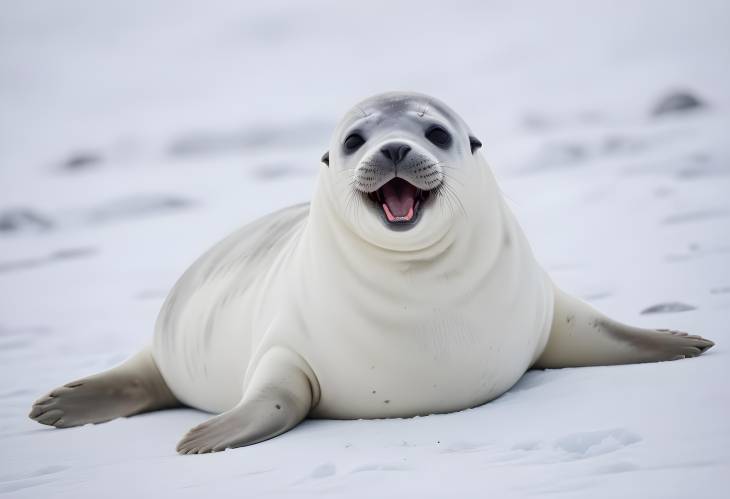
column 399, row 202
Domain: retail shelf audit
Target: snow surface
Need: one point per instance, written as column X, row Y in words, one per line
column 135, row 134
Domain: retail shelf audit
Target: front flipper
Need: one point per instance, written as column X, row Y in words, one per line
column 581, row 336
column 279, row 396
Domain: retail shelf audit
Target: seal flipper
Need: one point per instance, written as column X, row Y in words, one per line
column 132, row 387
column 582, row 336
column 279, row 396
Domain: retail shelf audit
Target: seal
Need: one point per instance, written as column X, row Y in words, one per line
column 405, row 288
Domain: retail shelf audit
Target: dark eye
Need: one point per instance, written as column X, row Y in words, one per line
column 353, row 142
column 439, row 136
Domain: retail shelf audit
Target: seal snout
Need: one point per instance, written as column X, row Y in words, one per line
column 395, row 151
column 400, row 200
column 398, row 176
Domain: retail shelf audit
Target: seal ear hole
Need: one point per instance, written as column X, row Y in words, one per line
column 439, row 136
column 474, row 143
column 353, row 142
column 326, row 158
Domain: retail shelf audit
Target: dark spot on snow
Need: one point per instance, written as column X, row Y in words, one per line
column 138, row 206
column 24, row 331
column 23, row 220
column 701, row 164
column 386, row 401
column 71, row 253
column 720, row 290
column 62, row 254
column 700, row 158
column 694, row 250
column 663, row 192
column 14, row 344
column 278, row 406
column 82, row 160
column 536, row 122
column 27, row 263
column 677, row 102
column 279, row 170
column 374, row 392
column 668, row 308
column 256, row 137
column 621, row 144
column 564, row 154
column 617, row 467
column 695, row 216
column 569, row 318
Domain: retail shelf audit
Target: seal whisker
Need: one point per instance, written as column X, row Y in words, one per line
column 451, row 192
column 447, row 191
column 447, row 174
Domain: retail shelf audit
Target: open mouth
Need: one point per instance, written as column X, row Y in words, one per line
column 400, row 201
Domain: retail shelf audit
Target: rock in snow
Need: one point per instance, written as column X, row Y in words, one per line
column 677, row 102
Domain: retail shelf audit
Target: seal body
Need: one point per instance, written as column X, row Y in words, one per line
column 430, row 331
column 405, row 288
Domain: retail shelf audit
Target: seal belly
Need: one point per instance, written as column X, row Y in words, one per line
column 204, row 336
column 443, row 363
column 447, row 342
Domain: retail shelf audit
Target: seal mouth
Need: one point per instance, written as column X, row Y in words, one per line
column 400, row 201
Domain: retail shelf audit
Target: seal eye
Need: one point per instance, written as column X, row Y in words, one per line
column 353, row 142
column 439, row 136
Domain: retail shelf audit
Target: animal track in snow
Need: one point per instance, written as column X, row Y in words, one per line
column 667, row 308
column 595, row 443
column 462, row 447
column 12, row 483
column 379, row 467
column 323, row 471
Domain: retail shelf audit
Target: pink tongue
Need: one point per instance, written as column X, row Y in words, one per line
column 400, row 198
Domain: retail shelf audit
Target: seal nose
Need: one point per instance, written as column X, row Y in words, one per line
column 395, row 151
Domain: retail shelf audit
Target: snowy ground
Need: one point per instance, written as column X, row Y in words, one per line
column 135, row 134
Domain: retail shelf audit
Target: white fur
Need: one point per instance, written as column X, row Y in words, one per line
column 407, row 323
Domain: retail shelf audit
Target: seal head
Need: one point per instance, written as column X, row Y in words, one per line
column 400, row 160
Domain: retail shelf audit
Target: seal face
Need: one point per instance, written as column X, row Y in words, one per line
column 405, row 288
column 399, row 152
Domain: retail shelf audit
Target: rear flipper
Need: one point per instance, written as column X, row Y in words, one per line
column 582, row 336
column 133, row 387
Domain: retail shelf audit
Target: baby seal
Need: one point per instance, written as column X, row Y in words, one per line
column 405, row 288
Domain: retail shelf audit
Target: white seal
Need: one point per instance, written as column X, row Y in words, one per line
column 406, row 288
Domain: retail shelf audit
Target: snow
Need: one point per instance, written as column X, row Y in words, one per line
column 136, row 134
